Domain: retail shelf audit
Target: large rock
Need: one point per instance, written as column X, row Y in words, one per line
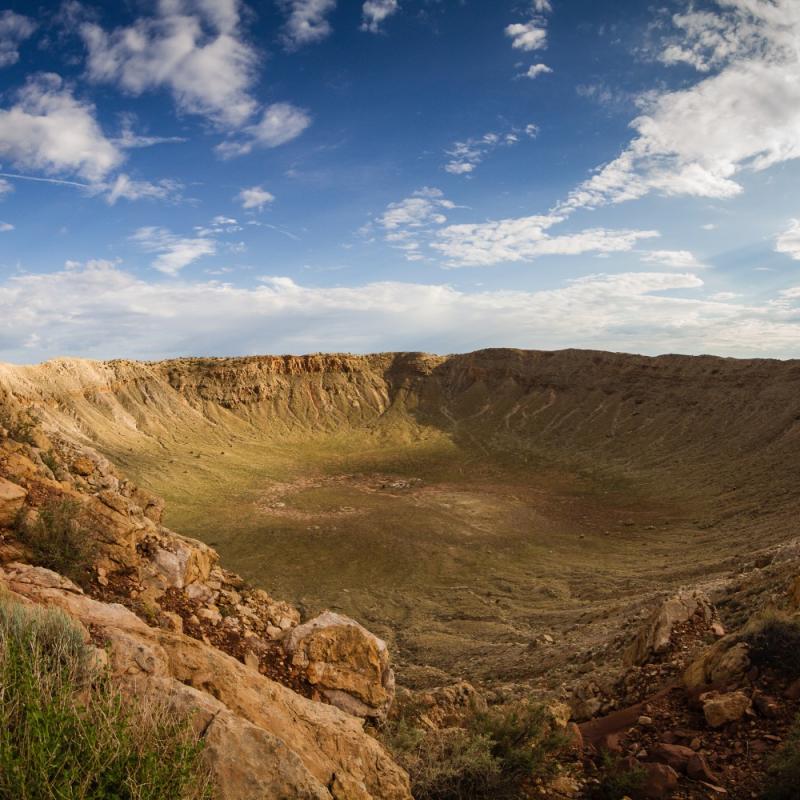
column 320, row 751
column 12, row 498
column 721, row 709
column 654, row 636
column 346, row 663
column 723, row 665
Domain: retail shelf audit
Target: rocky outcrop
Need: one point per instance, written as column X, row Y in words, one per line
column 12, row 498
column 654, row 636
column 265, row 741
column 345, row 663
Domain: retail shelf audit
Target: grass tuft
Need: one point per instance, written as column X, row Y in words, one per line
column 783, row 776
column 66, row 732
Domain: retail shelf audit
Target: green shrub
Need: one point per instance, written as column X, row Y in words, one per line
column 775, row 643
column 66, row 733
column 783, row 775
column 58, row 541
column 495, row 755
column 20, row 426
column 618, row 780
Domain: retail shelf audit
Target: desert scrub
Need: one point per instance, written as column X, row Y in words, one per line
column 20, row 426
column 67, row 733
column 783, row 774
column 618, row 780
column 496, row 755
column 774, row 640
column 58, row 540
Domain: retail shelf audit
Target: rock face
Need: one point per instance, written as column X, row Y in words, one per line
column 346, row 663
column 724, row 664
column 12, row 498
column 264, row 740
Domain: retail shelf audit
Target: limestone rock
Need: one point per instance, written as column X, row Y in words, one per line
column 720, row 709
column 654, row 636
column 345, row 662
column 724, row 664
column 12, row 498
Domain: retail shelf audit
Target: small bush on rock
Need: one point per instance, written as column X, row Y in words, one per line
column 66, row 732
column 775, row 644
column 57, row 539
column 783, row 776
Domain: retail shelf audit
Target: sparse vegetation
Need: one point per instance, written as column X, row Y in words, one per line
column 494, row 756
column 618, row 780
column 774, row 641
column 66, row 732
column 20, row 426
column 783, row 777
column 57, row 538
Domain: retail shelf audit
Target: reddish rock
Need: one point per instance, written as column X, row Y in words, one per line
column 793, row 692
column 660, row 781
column 675, row 755
column 698, row 770
column 767, row 706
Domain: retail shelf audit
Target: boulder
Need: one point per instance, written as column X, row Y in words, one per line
column 654, row 636
column 720, row 709
column 675, row 755
column 660, row 781
column 12, row 498
column 724, row 664
column 346, row 663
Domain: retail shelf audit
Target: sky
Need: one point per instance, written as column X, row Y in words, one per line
column 216, row 177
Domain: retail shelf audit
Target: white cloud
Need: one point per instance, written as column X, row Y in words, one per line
column 307, row 21
column 709, row 226
column 724, row 297
column 526, row 239
column 173, row 253
column 789, row 241
column 527, row 36
column 255, row 197
column 374, row 12
column 124, row 187
column 68, row 312
column 535, row 70
column 279, row 124
column 6, row 227
column 192, row 48
column 746, row 116
column 675, row 259
column 14, row 29
column 47, row 129
column 542, row 6
column 5, row 187
column 466, row 155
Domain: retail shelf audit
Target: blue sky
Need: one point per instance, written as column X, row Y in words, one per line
column 210, row 177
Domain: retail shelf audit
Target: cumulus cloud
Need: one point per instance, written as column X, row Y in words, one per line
column 173, row 252
column 32, row 132
column 789, row 241
column 6, row 227
column 526, row 239
column 14, row 29
column 67, row 310
column 675, row 259
column 279, row 124
column 465, row 156
column 374, row 12
column 192, row 48
column 527, row 36
column 744, row 116
column 256, row 197
column 535, row 70
column 307, row 21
